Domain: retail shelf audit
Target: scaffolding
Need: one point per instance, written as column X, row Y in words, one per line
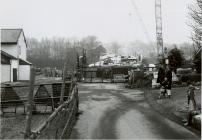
column 159, row 35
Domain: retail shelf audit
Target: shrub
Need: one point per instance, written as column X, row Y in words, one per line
column 195, row 77
column 142, row 80
column 184, row 78
column 191, row 78
column 184, row 71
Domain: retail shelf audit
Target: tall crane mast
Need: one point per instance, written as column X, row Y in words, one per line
column 159, row 36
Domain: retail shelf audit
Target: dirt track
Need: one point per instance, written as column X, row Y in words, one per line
column 110, row 111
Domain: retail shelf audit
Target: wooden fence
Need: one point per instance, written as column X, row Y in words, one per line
column 63, row 99
column 105, row 74
column 14, row 97
column 63, row 116
column 60, row 123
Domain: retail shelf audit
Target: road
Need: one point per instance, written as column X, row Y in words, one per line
column 110, row 111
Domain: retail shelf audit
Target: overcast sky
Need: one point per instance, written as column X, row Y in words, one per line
column 109, row 20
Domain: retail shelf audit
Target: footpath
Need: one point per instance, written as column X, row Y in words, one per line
column 176, row 108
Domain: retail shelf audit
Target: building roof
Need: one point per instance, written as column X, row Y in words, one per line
column 24, row 62
column 10, row 36
column 5, row 57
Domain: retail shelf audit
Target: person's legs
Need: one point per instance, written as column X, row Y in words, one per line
column 169, row 93
column 188, row 100
column 194, row 103
column 129, row 81
column 164, row 92
column 160, row 91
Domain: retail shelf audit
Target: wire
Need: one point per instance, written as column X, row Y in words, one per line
column 142, row 24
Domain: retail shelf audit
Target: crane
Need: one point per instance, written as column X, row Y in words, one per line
column 159, row 33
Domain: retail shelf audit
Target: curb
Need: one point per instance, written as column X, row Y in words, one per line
column 169, row 115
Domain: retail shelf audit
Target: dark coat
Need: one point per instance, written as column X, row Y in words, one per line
column 165, row 84
column 161, row 75
column 168, row 75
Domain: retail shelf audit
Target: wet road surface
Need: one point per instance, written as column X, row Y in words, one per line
column 110, row 111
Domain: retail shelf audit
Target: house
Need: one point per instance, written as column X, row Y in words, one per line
column 14, row 64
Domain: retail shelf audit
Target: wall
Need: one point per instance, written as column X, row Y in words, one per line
column 10, row 49
column 5, row 73
column 23, row 47
column 24, row 72
column 14, row 49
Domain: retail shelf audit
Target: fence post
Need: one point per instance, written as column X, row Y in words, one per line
column 63, row 84
column 111, row 74
column 102, row 75
column 30, row 104
column 91, row 76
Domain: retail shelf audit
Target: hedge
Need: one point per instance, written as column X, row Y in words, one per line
column 191, row 78
column 142, row 80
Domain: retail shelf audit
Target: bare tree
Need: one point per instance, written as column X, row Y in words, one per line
column 94, row 48
column 54, row 52
column 195, row 12
column 90, row 42
column 115, row 47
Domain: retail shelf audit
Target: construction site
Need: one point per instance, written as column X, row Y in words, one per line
column 82, row 88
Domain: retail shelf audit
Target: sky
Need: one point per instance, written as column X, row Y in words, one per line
column 109, row 20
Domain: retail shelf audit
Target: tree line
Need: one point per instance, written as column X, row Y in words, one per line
column 56, row 51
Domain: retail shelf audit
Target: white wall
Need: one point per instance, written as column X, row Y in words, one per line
column 23, row 47
column 10, row 49
column 5, row 73
column 14, row 63
column 24, row 72
column 19, row 48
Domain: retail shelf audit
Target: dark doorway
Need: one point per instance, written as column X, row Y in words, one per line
column 14, row 75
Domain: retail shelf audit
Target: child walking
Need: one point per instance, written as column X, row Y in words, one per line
column 163, row 89
column 191, row 95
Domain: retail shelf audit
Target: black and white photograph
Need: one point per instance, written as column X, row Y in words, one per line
column 100, row 69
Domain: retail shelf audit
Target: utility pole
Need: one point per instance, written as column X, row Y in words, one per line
column 159, row 36
column 63, row 83
column 30, row 104
column 84, row 61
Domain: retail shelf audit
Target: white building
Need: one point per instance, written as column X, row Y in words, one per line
column 14, row 64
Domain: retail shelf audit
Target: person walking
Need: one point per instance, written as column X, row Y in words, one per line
column 168, row 75
column 191, row 95
column 164, row 88
column 161, row 78
column 129, row 78
column 161, row 74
